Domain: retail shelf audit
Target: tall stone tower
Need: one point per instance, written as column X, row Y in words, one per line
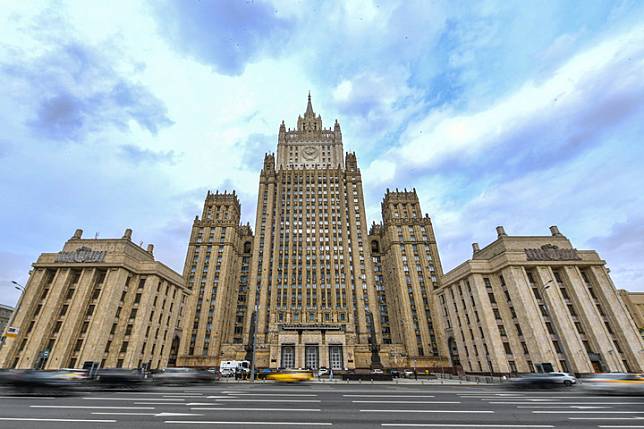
column 312, row 287
column 217, row 255
column 411, row 270
column 311, row 278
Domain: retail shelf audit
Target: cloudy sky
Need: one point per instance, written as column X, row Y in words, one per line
column 124, row 113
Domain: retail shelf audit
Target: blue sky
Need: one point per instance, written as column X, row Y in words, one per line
column 124, row 113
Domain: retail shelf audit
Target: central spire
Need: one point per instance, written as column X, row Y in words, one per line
column 309, row 107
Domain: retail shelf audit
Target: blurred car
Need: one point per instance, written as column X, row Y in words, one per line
column 394, row 373
column 408, row 373
column 376, row 371
column 263, row 373
column 291, row 375
column 182, row 376
column 615, row 384
column 119, row 378
column 323, row 371
column 44, row 382
column 549, row 379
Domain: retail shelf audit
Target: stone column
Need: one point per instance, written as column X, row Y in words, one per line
column 594, row 324
column 560, row 316
column 632, row 344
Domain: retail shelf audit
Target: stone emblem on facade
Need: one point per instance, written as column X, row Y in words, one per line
column 310, row 153
column 550, row 252
column 82, row 254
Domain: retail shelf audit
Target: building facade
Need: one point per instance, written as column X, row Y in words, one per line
column 312, row 287
column 536, row 304
column 634, row 302
column 101, row 301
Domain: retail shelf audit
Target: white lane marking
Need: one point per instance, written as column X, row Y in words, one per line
column 270, row 394
column 389, row 396
column 220, row 396
column 605, row 418
column 625, row 427
column 257, row 409
column 196, row 422
column 155, row 393
column 159, row 403
column 543, row 404
column 588, row 412
column 89, row 407
column 266, row 400
column 183, row 396
column 456, row 425
column 578, row 407
column 30, row 419
column 202, row 403
column 430, row 411
column 90, row 398
column 26, row 397
column 406, row 402
column 549, row 398
column 148, row 414
column 340, row 390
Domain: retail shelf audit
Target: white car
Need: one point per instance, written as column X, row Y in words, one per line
column 545, row 379
column 322, row 372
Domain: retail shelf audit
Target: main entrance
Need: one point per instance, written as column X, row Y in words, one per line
column 288, row 356
column 335, row 357
column 311, row 356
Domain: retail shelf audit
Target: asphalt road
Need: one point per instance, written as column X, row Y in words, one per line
column 316, row 405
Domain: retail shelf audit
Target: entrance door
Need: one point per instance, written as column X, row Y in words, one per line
column 288, row 356
column 335, row 357
column 311, row 356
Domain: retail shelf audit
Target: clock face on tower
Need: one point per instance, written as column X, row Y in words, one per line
column 310, row 153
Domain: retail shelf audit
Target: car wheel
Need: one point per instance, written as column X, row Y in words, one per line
column 567, row 383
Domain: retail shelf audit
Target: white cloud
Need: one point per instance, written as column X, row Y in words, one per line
column 444, row 133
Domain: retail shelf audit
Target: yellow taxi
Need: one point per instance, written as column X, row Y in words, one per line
column 291, row 375
column 616, row 384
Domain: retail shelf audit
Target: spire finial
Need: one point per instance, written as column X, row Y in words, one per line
column 309, row 106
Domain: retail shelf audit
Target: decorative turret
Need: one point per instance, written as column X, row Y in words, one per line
column 351, row 162
column 269, row 163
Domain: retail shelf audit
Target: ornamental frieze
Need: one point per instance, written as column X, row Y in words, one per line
column 550, row 252
column 82, row 254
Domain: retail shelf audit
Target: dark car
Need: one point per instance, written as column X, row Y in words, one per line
column 33, row 381
column 119, row 378
column 263, row 373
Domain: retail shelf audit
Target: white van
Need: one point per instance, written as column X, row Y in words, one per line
column 228, row 368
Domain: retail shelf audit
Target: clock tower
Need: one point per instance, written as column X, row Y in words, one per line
column 310, row 146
